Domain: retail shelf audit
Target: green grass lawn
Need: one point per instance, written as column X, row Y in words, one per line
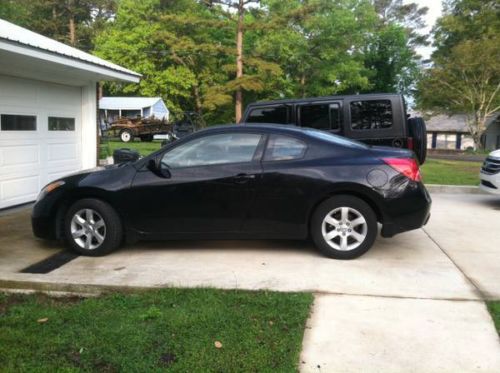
column 494, row 308
column 151, row 331
column 440, row 171
column 144, row 148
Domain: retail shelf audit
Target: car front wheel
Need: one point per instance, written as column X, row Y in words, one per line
column 344, row 227
column 92, row 227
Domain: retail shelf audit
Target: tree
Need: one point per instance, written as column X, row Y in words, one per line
column 74, row 22
column 466, row 80
column 239, row 83
column 408, row 15
column 465, row 76
column 466, row 20
column 318, row 44
column 391, row 61
column 179, row 47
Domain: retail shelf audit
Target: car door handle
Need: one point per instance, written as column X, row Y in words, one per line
column 243, row 178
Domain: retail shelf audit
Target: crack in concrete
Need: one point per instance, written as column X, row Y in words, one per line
column 476, row 287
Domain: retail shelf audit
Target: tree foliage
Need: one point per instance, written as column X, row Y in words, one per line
column 208, row 55
column 74, row 22
column 465, row 76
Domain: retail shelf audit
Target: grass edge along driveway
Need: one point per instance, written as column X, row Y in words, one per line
column 494, row 308
column 179, row 329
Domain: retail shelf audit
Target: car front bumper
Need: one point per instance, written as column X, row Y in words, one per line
column 490, row 182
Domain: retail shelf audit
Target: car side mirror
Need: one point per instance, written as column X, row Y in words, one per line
column 155, row 166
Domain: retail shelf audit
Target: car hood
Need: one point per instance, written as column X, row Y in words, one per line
column 104, row 177
column 495, row 154
column 97, row 169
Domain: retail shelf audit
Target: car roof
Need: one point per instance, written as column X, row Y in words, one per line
column 323, row 98
column 265, row 127
column 284, row 129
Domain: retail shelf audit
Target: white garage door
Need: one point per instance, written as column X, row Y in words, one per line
column 40, row 136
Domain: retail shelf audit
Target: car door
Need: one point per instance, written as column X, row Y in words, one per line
column 211, row 185
column 281, row 203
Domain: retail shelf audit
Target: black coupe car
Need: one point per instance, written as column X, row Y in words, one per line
column 233, row 181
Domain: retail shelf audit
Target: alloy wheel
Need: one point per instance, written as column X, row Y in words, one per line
column 88, row 229
column 344, row 228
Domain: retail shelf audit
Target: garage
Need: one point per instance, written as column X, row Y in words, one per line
column 48, row 105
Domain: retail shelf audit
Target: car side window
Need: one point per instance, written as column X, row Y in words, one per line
column 372, row 114
column 213, row 149
column 284, row 148
column 278, row 114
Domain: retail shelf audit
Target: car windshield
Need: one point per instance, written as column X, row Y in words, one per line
column 335, row 139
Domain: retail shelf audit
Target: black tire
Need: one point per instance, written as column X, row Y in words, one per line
column 418, row 131
column 113, row 231
column 126, row 136
column 354, row 204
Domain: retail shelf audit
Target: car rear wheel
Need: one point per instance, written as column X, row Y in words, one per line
column 92, row 227
column 126, row 136
column 344, row 227
column 419, row 133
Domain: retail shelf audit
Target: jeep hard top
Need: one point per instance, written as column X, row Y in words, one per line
column 375, row 119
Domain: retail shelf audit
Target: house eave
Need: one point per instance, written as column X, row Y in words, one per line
column 103, row 72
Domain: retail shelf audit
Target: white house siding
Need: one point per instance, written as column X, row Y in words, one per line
column 160, row 110
column 31, row 159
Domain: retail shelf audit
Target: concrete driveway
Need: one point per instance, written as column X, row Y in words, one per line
column 413, row 303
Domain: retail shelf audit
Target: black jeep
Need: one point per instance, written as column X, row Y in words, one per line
column 375, row 119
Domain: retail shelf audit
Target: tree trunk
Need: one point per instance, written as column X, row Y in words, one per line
column 72, row 30
column 197, row 99
column 477, row 126
column 239, row 61
column 303, row 85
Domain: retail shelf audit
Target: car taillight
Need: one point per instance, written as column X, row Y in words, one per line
column 406, row 166
column 410, row 143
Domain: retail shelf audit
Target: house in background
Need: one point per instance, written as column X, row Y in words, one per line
column 451, row 132
column 111, row 108
column 48, row 105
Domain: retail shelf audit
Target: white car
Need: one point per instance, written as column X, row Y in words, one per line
column 490, row 173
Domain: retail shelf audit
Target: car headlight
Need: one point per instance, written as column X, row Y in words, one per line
column 50, row 188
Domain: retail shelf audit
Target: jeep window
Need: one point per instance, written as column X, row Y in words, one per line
column 269, row 114
column 373, row 114
column 284, row 148
column 335, row 116
column 315, row 116
column 320, row 116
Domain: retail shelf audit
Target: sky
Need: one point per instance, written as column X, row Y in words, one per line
column 433, row 14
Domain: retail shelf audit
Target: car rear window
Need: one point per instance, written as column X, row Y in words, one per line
column 270, row 114
column 371, row 114
column 284, row 148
